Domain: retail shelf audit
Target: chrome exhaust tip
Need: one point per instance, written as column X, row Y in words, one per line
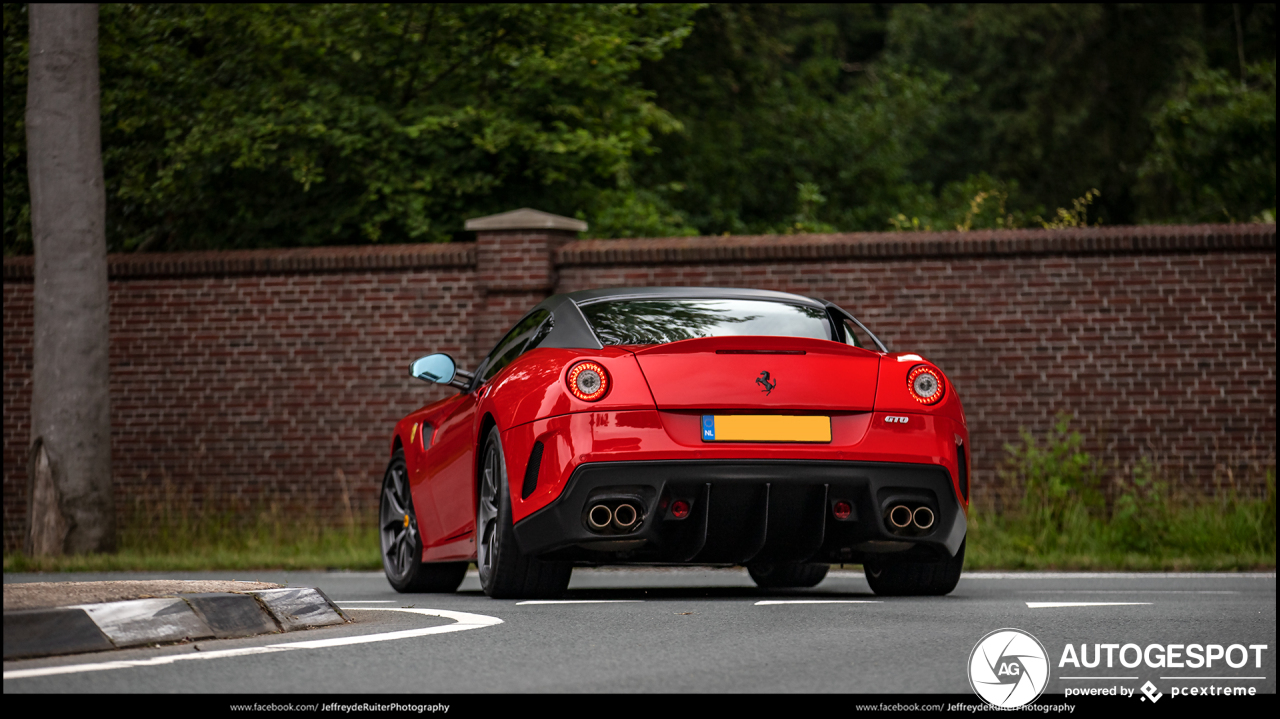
column 625, row 516
column 599, row 517
column 900, row 516
column 922, row 517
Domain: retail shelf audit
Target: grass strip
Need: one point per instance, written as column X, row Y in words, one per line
column 1214, row 535
column 335, row 548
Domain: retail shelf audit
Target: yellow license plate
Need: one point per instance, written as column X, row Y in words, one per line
column 765, row 428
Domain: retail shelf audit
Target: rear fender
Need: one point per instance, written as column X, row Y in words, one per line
column 895, row 407
column 535, row 386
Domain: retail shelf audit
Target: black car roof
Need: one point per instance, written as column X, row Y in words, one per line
column 583, row 297
column 571, row 328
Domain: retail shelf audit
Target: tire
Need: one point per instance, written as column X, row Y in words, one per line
column 505, row 573
column 401, row 541
column 915, row 579
column 789, row 575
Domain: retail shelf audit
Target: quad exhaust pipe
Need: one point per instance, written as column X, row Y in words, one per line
column 900, row 516
column 922, row 518
column 599, row 517
column 624, row 517
column 903, row 517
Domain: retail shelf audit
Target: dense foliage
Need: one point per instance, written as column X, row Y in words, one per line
column 249, row 126
column 272, row 125
column 1058, row 505
column 850, row 115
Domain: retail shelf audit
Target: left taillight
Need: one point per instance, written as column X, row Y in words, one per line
column 925, row 384
column 588, row 381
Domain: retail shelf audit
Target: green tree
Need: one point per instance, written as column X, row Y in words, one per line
column 780, row 105
column 70, row 507
column 918, row 110
column 266, row 125
column 1213, row 158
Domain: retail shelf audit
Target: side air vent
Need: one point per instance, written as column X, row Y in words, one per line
column 531, row 471
column 963, row 462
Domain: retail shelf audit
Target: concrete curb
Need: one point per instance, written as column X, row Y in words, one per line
column 138, row 622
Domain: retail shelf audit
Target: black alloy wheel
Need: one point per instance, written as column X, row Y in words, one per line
column 915, row 579
column 505, row 573
column 402, row 542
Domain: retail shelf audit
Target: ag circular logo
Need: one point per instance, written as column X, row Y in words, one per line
column 1008, row 668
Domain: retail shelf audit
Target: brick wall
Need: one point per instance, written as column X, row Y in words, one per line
column 514, row 271
column 256, row 377
column 276, row 375
column 1160, row 341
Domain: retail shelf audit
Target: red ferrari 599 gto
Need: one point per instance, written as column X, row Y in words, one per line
column 680, row 426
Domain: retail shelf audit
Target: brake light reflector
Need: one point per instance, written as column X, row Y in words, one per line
column 679, row 509
column 588, row 381
column 925, row 384
column 842, row 509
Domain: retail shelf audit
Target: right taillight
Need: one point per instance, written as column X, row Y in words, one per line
column 925, row 384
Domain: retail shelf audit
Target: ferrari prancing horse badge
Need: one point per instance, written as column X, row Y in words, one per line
column 765, row 385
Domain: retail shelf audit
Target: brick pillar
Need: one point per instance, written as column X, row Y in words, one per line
column 515, row 267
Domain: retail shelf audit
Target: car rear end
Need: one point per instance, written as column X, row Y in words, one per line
column 790, row 447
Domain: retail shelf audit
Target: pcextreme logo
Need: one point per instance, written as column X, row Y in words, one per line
column 1008, row 668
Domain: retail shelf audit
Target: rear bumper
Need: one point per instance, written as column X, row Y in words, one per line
column 748, row 511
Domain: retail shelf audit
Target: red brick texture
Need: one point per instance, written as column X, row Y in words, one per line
column 276, row 375
column 241, row 389
column 514, row 271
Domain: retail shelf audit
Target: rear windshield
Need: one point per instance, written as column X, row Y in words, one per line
column 655, row 322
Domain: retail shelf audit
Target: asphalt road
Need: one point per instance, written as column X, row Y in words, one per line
column 666, row 630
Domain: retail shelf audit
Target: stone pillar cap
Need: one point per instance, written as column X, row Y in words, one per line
column 526, row 219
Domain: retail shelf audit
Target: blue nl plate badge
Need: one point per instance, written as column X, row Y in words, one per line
column 708, row 428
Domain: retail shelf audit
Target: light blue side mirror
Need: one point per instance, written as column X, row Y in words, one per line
column 434, row 368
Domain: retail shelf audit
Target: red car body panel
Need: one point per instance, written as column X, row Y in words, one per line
column 652, row 411
column 718, row 373
column 533, row 386
column 649, row 435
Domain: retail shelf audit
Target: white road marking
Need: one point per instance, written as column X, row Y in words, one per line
column 858, row 574
column 577, row 601
column 365, row 601
column 1118, row 575
column 1127, row 591
column 1055, row 605
column 464, row 621
column 818, row 601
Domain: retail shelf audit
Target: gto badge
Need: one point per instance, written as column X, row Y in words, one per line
column 765, row 385
column 897, row 420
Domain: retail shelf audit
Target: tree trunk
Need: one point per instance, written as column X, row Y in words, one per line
column 70, row 502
